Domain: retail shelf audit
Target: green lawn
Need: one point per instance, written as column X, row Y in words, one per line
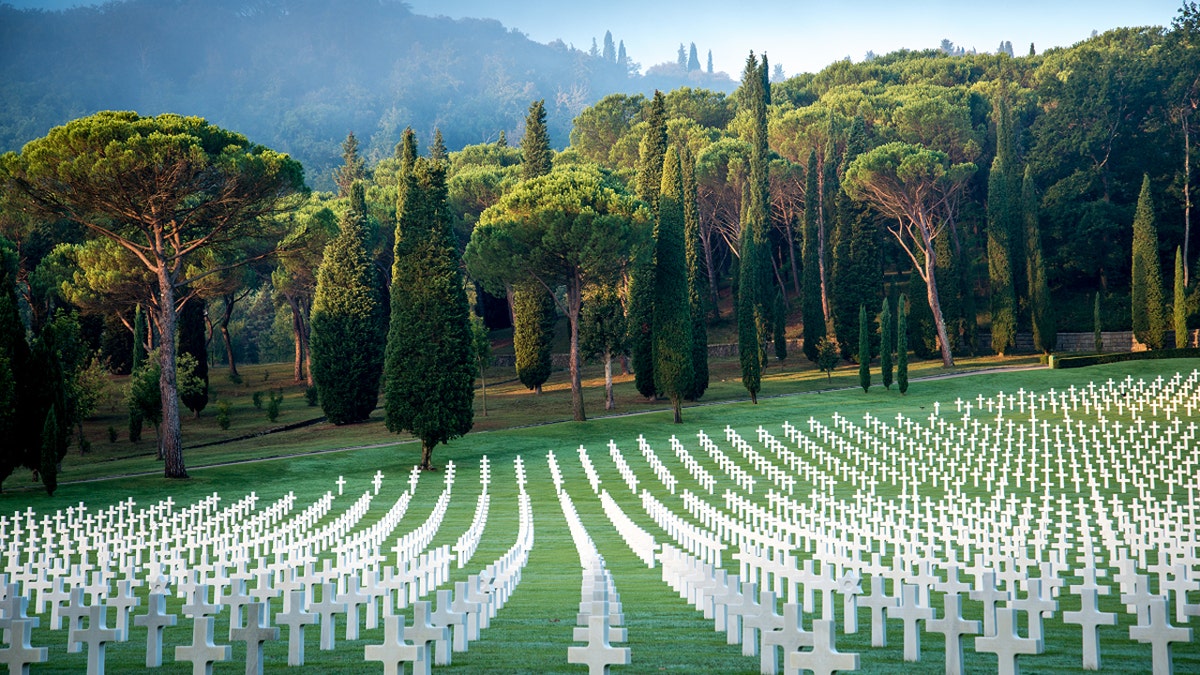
column 532, row 633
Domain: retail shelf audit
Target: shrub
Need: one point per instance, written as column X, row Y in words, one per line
column 310, row 396
column 273, row 405
column 113, row 434
column 257, row 399
column 223, row 414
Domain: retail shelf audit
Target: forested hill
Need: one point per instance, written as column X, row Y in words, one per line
column 298, row 75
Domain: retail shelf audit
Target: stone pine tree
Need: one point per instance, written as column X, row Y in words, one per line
column 672, row 326
column 902, row 344
column 864, row 349
column 1146, row 290
column 536, row 156
column 698, row 288
column 999, row 252
column 192, row 341
column 136, row 418
column 753, row 267
column 1179, row 305
column 651, row 151
column 810, row 303
column 429, row 369
column 1041, row 305
column 349, row 321
column 533, row 333
column 887, row 342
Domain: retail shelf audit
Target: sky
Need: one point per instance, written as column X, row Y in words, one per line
column 800, row 35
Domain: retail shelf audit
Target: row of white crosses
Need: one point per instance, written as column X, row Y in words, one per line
column 600, row 620
column 213, row 579
column 1061, row 526
column 641, row 542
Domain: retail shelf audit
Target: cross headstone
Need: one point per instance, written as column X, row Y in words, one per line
column 256, row 632
column 1159, row 633
column 74, row 613
column 96, row 636
column 19, row 654
column 824, row 659
column 1090, row 618
column 424, row 634
column 341, row 483
column 353, row 598
column 395, row 652
column 295, row 618
column 954, row 627
column 377, row 481
column 202, row 653
column 598, row 655
column 155, row 619
column 911, row 612
column 455, row 621
column 124, row 601
column 879, row 602
column 328, row 609
column 1006, row 644
column 790, row 637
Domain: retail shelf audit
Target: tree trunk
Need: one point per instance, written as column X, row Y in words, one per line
column 297, row 339
column 935, row 306
column 792, row 258
column 609, row 402
column 225, row 318
column 306, row 335
column 822, row 276
column 171, row 439
column 706, row 243
column 427, row 456
column 574, row 300
column 677, row 408
column 483, row 388
column 1187, row 195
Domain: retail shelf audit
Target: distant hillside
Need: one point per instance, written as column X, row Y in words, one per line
column 298, row 75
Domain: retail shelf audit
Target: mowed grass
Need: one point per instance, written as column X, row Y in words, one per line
column 533, row 631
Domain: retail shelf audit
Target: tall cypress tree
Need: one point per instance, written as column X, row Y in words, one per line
column 887, row 342
column 1041, row 306
column 651, row 152
column 192, row 341
column 349, row 320
column 810, row 303
column 1179, row 306
column 51, row 440
column 437, row 149
column 864, row 350
column 1149, row 318
column 136, row 418
column 14, row 360
column 536, row 157
column 753, row 268
column 406, row 150
column 353, row 167
column 672, row 307
column 698, row 289
column 1000, row 276
column 857, row 268
column 533, row 333
column 430, row 374
column 902, row 344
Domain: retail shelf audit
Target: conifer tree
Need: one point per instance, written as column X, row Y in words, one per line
column 753, row 268
column 353, row 167
column 136, row 419
column 536, row 156
column 902, row 344
column 14, row 361
column 887, row 342
column 51, row 440
column 1000, row 277
column 1179, row 306
column 864, row 350
column 406, row 150
column 779, row 326
column 710, row 66
column 437, row 150
column 693, row 62
column 349, row 321
column 1146, row 291
column 609, row 54
column 651, row 151
column 810, row 303
column 622, row 57
column 1041, row 306
column 502, row 141
column 857, row 270
column 698, row 288
column 533, row 333
column 672, row 307
column 430, row 365
column 192, row 341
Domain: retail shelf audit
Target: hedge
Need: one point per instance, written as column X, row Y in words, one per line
column 1118, row 357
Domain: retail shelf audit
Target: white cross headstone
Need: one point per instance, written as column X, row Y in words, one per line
column 257, row 631
column 124, row 601
column 96, row 636
column 455, row 621
column 395, row 652
column 1159, row 633
column 911, row 612
column 879, row 602
column 377, row 481
column 824, row 659
column 202, row 653
column 328, row 609
column 1006, row 644
column 295, row 618
column 954, row 627
column 598, row 655
column 155, row 619
column 341, row 483
column 790, row 637
column 20, row 654
column 1090, row 618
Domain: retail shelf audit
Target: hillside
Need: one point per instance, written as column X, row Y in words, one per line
column 298, row 75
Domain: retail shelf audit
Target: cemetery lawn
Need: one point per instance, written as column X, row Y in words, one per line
column 532, row 633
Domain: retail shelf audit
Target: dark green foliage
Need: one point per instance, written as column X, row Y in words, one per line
column 652, row 150
column 536, row 156
column 864, row 350
column 430, row 365
column 223, row 409
column 1121, row 357
column 256, row 398
column 14, row 357
column 902, row 344
column 353, row 166
column 349, row 321
column 1179, row 305
column 1146, row 289
column 406, row 150
column 113, row 434
column 828, row 355
column 999, row 252
column 1041, row 305
column 51, row 441
column 310, row 396
column 640, row 318
column 698, row 287
column 192, row 341
column 754, row 282
column 672, row 327
column 857, row 268
column 276, row 398
column 810, row 304
column 139, row 358
column 144, row 397
column 779, row 326
column 437, row 149
column 887, row 343
column 922, row 333
column 533, row 333
column 602, row 332
column 481, row 346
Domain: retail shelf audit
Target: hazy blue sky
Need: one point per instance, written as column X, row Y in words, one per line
column 801, row 35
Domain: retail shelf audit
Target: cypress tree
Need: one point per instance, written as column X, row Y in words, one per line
column 430, row 374
column 1146, row 293
column 1045, row 330
column 810, row 303
column 610, row 51
column 136, row 418
column 864, row 350
column 536, row 156
column 192, row 341
column 753, row 270
column 693, row 58
column 353, row 167
column 1097, row 334
column 922, row 334
column 14, row 362
column 406, row 150
column 651, row 151
column 857, row 268
column 51, row 440
column 1000, row 276
column 533, row 333
column 887, row 342
column 902, row 344
column 437, row 149
column 698, row 288
column 349, row 321
column 640, row 316
column 779, row 326
column 502, row 141
column 1179, row 306
column 672, row 307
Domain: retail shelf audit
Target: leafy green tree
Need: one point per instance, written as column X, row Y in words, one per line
column 698, row 288
column 192, row 341
column 864, row 349
column 672, row 307
column 572, row 227
column 481, row 345
column 912, row 185
column 887, row 342
column 349, row 321
column 309, row 230
column 602, row 332
column 136, row 417
column 828, row 355
column 1146, row 290
column 143, row 395
column 1179, row 306
column 1041, row 305
column 533, row 333
column 184, row 186
column 14, row 362
column 536, row 155
column 902, row 344
column 430, row 368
